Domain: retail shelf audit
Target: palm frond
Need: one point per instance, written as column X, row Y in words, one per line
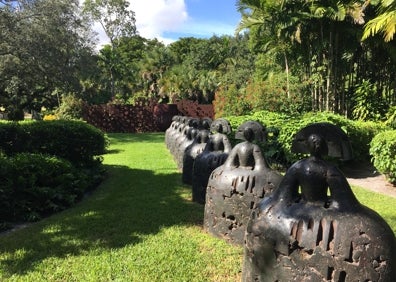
column 385, row 23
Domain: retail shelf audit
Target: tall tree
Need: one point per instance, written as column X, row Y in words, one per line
column 117, row 21
column 42, row 46
column 320, row 43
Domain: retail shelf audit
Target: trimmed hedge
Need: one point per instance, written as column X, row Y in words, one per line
column 46, row 166
column 383, row 150
column 36, row 185
column 75, row 141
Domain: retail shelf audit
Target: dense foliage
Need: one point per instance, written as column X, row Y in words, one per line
column 320, row 43
column 288, row 56
column 46, row 166
column 383, row 150
column 36, row 185
column 282, row 127
column 45, row 50
column 75, row 141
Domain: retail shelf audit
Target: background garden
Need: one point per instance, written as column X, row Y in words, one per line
column 104, row 207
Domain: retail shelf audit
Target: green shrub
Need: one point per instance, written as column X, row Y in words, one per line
column 35, row 185
column 391, row 117
column 361, row 133
column 283, row 127
column 71, row 108
column 275, row 95
column 230, row 101
column 383, row 151
column 367, row 105
column 11, row 138
column 75, row 141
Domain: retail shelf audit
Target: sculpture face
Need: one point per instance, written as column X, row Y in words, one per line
column 248, row 134
column 317, row 145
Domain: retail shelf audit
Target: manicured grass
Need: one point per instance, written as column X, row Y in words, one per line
column 139, row 225
column 382, row 204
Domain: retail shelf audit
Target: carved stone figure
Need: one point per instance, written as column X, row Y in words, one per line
column 191, row 152
column 235, row 188
column 214, row 155
column 312, row 227
column 172, row 130
column 184, row 140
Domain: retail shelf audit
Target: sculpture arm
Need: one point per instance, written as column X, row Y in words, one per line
column 227, row 145
column 287, row 191
column 340, row 190
column 230, row 161
column 259, row 160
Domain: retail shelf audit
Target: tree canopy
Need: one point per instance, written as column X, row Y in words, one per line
column 287, row 56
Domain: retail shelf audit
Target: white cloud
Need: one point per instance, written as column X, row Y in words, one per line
column 155, row 17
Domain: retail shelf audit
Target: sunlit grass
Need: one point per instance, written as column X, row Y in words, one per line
column 382, row 204
column 139, row 225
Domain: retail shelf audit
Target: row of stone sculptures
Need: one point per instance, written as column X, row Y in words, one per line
column 306, row 225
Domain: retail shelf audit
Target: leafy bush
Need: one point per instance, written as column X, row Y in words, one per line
column 35, row 185
column 275, row 95
column 46, row 166
column 75, row 141
column 367, row 105
column 71, row 108
column 391, row 117
column 231, row 101
column 383, row 151
column 11, row 137
column 361, row 133
column 283, row 127
column 271, row 95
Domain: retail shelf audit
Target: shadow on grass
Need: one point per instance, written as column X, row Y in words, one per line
column 126, row 207
column 155, row 137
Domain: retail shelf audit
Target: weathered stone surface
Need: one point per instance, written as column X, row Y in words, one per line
column 235, row 188
column 191, row 152
column 214, row 155
column 312, row 228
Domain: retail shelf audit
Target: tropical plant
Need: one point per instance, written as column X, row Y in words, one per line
column 117, row 22
column 319, row 42
column 384, row 23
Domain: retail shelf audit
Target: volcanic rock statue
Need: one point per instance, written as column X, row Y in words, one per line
column 235, row 188
column 185, row 140
column 312, row 228
column 214, row 155
column 191, row 152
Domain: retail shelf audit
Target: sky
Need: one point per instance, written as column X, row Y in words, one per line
column 169, row 20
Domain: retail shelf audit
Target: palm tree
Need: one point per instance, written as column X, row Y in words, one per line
column 384, row 22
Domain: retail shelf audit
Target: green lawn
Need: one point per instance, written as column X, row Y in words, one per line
column 139, row 225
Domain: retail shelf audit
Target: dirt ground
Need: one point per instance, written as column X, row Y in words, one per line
column 366, row 176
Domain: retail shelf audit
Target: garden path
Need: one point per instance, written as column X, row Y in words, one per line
column 366, row 176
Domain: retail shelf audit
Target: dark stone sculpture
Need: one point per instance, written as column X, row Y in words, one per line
column 184, row 140
column 214, row 155
column 191, row 152
column 177, row 134
column 235, row 188
column 171, row 131
column 312, row 228
column 205, row 123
